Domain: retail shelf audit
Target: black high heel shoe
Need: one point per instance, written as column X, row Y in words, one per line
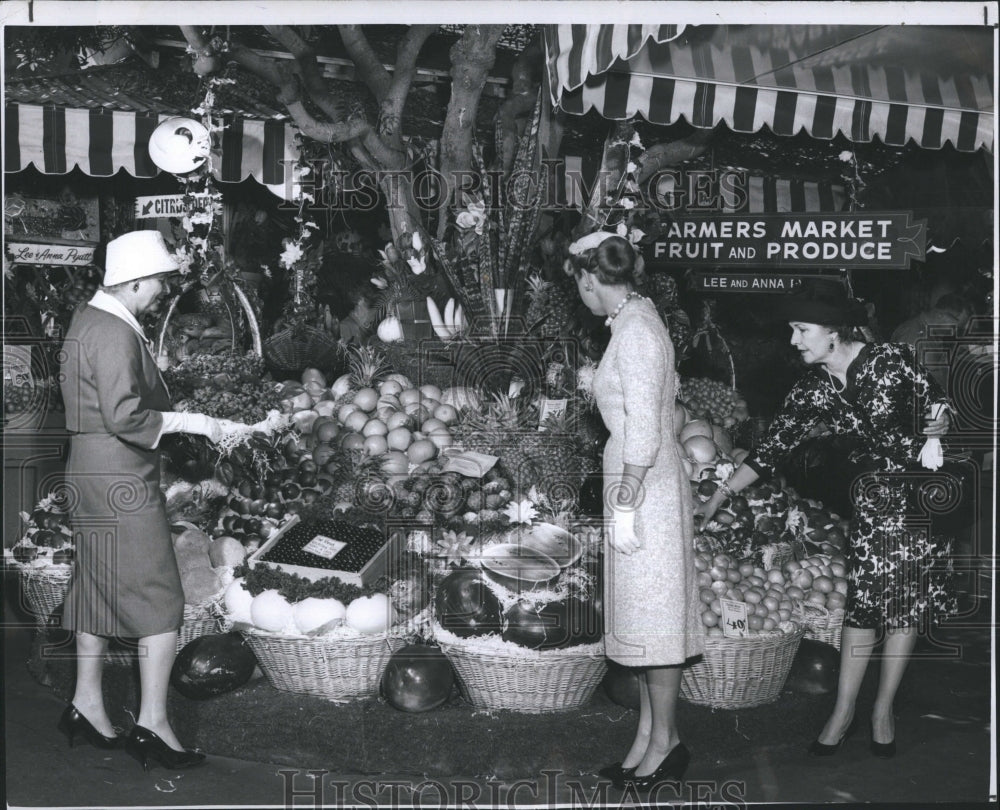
column 146, row 747
column 818, row 749
column 670, row 770
column 73, row 723
column 616, row 774
column 882, row 750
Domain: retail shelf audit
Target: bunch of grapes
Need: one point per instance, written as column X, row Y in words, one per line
column 714, row 401
column 247, row 402
column 202, row 367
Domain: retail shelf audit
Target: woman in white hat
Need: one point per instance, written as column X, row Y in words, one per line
column 125, row 581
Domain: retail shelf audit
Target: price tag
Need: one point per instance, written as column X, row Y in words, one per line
column 734, row 618
column 326, row 547
column 550, row 407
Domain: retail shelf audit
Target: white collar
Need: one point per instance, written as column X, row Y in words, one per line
column 110, row 304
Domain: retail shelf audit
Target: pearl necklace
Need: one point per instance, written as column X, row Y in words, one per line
column 624, row 301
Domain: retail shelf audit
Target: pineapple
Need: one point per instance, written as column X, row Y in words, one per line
column 499, row 431
column 555, row 454
column 367, row 366
column 551, row 307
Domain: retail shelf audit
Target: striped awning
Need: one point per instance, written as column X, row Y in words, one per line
column 101, row 142
column 931, row 85
column 758, row 193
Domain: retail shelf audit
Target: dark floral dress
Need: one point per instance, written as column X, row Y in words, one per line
column 898, row 571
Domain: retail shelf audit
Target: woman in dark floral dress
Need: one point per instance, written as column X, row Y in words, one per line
column 897, row 571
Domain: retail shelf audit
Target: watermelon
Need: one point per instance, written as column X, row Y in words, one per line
column 212, row 665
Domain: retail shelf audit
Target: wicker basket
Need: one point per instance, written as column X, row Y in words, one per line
column 292, row 350
column 247, row 310
column 44, row 591
column 737, row 673
column 335, row 668
column 820, row 623
column 533, row 683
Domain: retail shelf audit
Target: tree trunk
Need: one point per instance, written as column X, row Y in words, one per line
column 614, row 164
column 472, row 58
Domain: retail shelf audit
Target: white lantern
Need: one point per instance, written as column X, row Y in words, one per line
column 180, row 145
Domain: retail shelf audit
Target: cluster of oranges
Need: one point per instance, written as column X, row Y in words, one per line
column 771, row 596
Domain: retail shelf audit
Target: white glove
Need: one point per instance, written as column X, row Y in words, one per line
column 200, row 424
column 229, row 426
column 623, row 538
column 931, row 454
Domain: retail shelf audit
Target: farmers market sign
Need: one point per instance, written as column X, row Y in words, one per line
column 31, row 253
column 858, row 239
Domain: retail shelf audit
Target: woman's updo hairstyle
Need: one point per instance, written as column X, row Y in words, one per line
column 614, row 262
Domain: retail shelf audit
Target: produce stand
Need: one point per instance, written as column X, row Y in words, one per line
column 425, row 486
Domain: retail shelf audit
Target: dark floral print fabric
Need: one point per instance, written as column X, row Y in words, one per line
column 898, row 572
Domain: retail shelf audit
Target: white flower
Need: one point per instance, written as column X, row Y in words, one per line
column 379, row 282
column 186, row 224
column 635, row 140
column 417, row 265
column 521, row 512
column 631, row 167
column 418, row 244
column 846, row 156
column 621, row 229
column 627, row 203
column 291, row 254
column 635, row 235
column 473, row 217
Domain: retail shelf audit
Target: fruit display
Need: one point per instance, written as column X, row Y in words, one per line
column 225, row 386
column 773, row 596
column 35, row 397
column 548, row 456
column 195, row 333
column 417, row 678
column 276, row 601
column 716, row 402
column 203, row 563
column 212, row 665
column 448, row 323
column 47, row 538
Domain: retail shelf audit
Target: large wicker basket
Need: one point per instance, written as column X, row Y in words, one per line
column 737, row 673
column 290, row 351
column 245, row 305
column 332, row 667
column 820, row 623
column 44, row 591
column 529, row 682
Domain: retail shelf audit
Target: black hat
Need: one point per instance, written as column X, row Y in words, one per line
column 822, row 301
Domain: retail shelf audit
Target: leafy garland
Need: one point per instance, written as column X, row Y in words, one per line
column 295, row 588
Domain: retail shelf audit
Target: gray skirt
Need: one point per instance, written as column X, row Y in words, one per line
column 125, row 581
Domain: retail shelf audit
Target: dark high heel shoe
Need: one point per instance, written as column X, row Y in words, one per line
column 882, row 750
column 146, row 747
column 818, row 749
column 616, row 774
column 670, row 770
column 73, row 723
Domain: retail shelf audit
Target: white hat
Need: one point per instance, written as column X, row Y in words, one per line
column 588, row 242
column 137, row 255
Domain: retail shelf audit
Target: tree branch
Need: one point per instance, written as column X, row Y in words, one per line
column 309, row 71
column 369, row 67
column 472, row 58
column 323, row 131
column 262, row 67
column 391, row 107
column 206, row 60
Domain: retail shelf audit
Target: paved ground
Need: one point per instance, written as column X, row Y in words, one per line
column 944, row 755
